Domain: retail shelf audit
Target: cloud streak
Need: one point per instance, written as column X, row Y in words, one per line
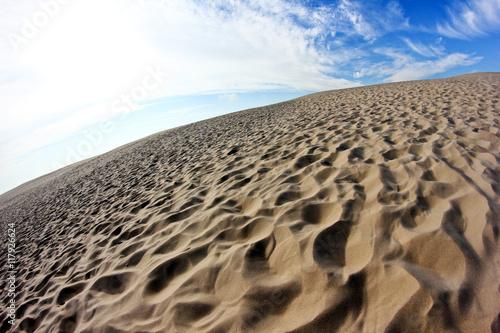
column 420, row 69
column 399, row 65
column 470, row 19
column 244, row 45
column 425, row 50
column 229, row 97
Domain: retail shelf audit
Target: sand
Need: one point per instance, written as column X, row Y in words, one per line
column 373, row 209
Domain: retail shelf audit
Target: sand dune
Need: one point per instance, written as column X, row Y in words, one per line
column 374, row 209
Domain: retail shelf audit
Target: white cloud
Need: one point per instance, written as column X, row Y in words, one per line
column 405, row 68
column 425, row 50
column 246, row 46
column 402, row 66
column 361, row 26
column 371, row 20
column 358, row 75
column 472, row 18
column 229, row 97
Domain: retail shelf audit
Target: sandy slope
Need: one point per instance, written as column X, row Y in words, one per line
column 373, row 209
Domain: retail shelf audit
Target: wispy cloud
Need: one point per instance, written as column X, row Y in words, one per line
column 472, row 18
column 351, row 10
column 371, row 19
column 397, row 64
column 419, row 70
column 425, row 50
column 245, row 45
column 403, row 67
column 229, row 97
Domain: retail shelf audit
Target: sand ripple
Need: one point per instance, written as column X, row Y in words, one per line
column 373, row 209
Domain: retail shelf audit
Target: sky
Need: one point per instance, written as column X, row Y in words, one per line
column 81, row 77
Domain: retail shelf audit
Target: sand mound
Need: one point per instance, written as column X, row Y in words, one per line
column 373, row 209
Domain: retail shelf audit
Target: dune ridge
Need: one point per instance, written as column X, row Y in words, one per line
column 371, row 209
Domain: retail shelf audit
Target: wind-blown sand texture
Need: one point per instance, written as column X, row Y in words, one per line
column 373, row 209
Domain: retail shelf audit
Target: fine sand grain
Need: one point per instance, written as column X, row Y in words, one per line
column 374, row 209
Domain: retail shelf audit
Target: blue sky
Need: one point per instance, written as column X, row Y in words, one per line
column 81, row 77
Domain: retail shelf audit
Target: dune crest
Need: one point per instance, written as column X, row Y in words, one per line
column 372, row 209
